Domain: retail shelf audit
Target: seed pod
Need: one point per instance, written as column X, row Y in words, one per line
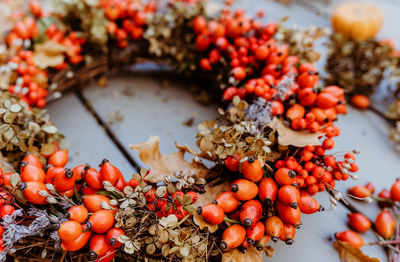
column 244, row 189
column 233, row 237
column 267, row 191
column 273, row 227
column 250, row 212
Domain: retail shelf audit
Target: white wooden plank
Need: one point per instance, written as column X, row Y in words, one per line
column 85, row 139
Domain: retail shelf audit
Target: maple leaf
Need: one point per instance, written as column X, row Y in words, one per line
column 48, row 54
column 234, row 255
column 167, row 165
column 348, row 253
column 288, row 136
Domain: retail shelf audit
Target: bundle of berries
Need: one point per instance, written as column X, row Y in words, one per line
column 267, row 203
column 384, row 225
column 261, row 67
column 94, row 199
column 127, row 19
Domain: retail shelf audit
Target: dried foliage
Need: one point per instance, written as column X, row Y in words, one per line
column 48, row 54
column 347, row 253
column 236, row 133
column 165, row 238
column 87, row 17
column 163, row 166
column 358, row 66
column 24, row 129
column 171, row 37
column 301, row 42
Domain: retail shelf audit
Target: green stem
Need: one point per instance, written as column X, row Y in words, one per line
column 227, row 219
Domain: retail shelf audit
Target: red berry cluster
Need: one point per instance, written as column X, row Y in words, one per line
column 259, row 66
column 28, row 85
column 288, row 190
column 126, row 19
column 167, row 204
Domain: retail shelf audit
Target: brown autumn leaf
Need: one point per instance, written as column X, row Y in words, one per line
column 5, row 166
column 48, row 54
column 287, row 136
column 206, row 198
column 347, row 253
column 166, row 165
column 234, row 255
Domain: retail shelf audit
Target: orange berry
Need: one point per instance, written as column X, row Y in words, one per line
column 350, row 237
column 69, row 230
column 233, row 236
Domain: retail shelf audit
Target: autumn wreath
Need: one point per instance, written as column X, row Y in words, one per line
column 269, row 145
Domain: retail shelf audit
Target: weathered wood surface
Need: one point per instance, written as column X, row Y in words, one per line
column 137, row 105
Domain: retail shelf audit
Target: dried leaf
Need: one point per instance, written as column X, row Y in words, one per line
column 166, row 165
column 287, row 136
column 347, row 253
column 234, row 255
column 48, row 54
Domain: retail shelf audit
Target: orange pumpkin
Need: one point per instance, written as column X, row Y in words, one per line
column 357, row 20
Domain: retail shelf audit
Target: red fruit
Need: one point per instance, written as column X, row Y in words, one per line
column 227, row 201
column 267, row 191
column 101, row 221
column 212, row 213
column 285, row 176
column 252, row 170
column 93, row 202
column 359, row 191
column 287, row 234
column 255, row 232
column 112, row 236
column 93, row 178
column 69, row 230
column 31, row 172
column 326, row 100
column 359, row 222
column 79, row 171
column 395, row 191
column 199, row 24
column 233, row 162
column 350, row 237
column 31, row 192
column 233, row 237
column 360, row 101
column 289, row 195
column 6, row 210
column 98, row 246
column 109, row 172
column 288, row 215
column 309, row 205
column 59, row 158
column 33, row 160
column 78, row 243
column 78, row 214
column 385, row 224
column 64, row 181
column 250, row 212
column 273, row 227
column 244, row 189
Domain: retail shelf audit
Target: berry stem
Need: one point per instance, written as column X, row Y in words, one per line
column 227, row 219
